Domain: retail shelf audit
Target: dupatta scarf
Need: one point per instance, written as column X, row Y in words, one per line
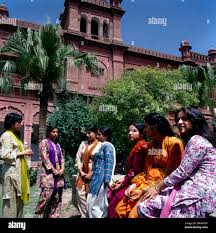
column 52, row 157
column 86, row 157
column 25, row 183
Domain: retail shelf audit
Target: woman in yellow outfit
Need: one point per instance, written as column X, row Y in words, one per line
column 164, row 155
column 15, row 175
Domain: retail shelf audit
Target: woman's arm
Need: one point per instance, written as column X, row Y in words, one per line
column 62, row 162
column 195, row 150
column 136, row 168
column 109, row 163
column 79, row 162
column 8, row 153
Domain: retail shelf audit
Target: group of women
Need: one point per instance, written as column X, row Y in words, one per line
column 166, row 176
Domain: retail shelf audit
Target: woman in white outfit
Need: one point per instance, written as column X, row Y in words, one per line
column 84, row 163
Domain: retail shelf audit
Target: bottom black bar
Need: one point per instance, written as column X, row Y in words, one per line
column 101, row 225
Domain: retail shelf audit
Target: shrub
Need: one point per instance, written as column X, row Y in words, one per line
column 32, row 176
column 71, row 118
column 69, row 170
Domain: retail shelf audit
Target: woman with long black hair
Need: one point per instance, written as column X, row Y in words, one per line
column 164, row 154
column 190, row 190
column 51, row 174
column 15, row 176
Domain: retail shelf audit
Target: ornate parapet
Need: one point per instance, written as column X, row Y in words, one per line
column 154, row 53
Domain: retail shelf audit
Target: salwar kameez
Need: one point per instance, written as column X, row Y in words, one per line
column 135, row 166
column 49, row 204
column 12, row 207
column 103, row 173
column 50, row 199
column 196, row 181
column 157, row 167
column 15, row 178
column 84, row 162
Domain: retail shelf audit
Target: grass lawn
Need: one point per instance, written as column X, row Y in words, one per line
column 30, row 208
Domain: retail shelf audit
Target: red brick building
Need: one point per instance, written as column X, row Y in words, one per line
column 93, row 26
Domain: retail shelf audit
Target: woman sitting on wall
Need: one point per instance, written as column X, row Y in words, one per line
column 190, row 190
column 135, row 165
column 164, row 154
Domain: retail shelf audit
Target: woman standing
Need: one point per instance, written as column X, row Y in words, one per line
column 164, row 155
column 103, row 171
column 84, row 163
column 135, row 165
column 16, row 188
column 190, row 190
column 51, row 176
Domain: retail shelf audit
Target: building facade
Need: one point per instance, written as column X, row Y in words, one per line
column 91, row 26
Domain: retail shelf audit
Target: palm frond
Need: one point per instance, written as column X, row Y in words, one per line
column 5, row 84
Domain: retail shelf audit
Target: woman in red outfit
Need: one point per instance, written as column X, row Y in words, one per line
column 135, row 165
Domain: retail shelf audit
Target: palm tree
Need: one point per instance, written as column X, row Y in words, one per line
column 41, row 57
column 203, row 80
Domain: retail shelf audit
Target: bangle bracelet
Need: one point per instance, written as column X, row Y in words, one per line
column 156, row 188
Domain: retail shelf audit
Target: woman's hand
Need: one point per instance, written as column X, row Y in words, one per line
column 117, row 186
column 55, row 172
column 82, row 174
column 61, row 172
column 27, row 152
column 88, row 176
column 130, row 189
column 150, row 193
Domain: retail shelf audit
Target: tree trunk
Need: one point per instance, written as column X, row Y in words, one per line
column 43, row 116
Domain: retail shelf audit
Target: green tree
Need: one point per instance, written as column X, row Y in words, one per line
column 71, row 118
column 203, row 79
column 41, row 57
column 135, row 94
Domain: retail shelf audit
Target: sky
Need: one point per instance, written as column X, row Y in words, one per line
column 159, row 25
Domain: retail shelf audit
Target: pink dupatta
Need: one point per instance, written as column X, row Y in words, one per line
column 167, row 207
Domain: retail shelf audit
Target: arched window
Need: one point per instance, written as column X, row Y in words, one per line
column 94, row 28
column 105, row 30
column 83, row 25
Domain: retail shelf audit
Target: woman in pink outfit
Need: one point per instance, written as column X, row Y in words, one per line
column 190, row 190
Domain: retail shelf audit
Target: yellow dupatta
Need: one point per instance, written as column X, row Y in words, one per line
column 25, row 184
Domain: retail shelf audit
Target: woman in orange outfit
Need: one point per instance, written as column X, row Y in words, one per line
column 164, row 155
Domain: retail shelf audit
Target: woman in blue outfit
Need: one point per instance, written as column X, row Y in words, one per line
column 103, row 171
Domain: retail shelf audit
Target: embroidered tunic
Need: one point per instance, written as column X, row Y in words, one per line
column 45, row 166
column 11, row 168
